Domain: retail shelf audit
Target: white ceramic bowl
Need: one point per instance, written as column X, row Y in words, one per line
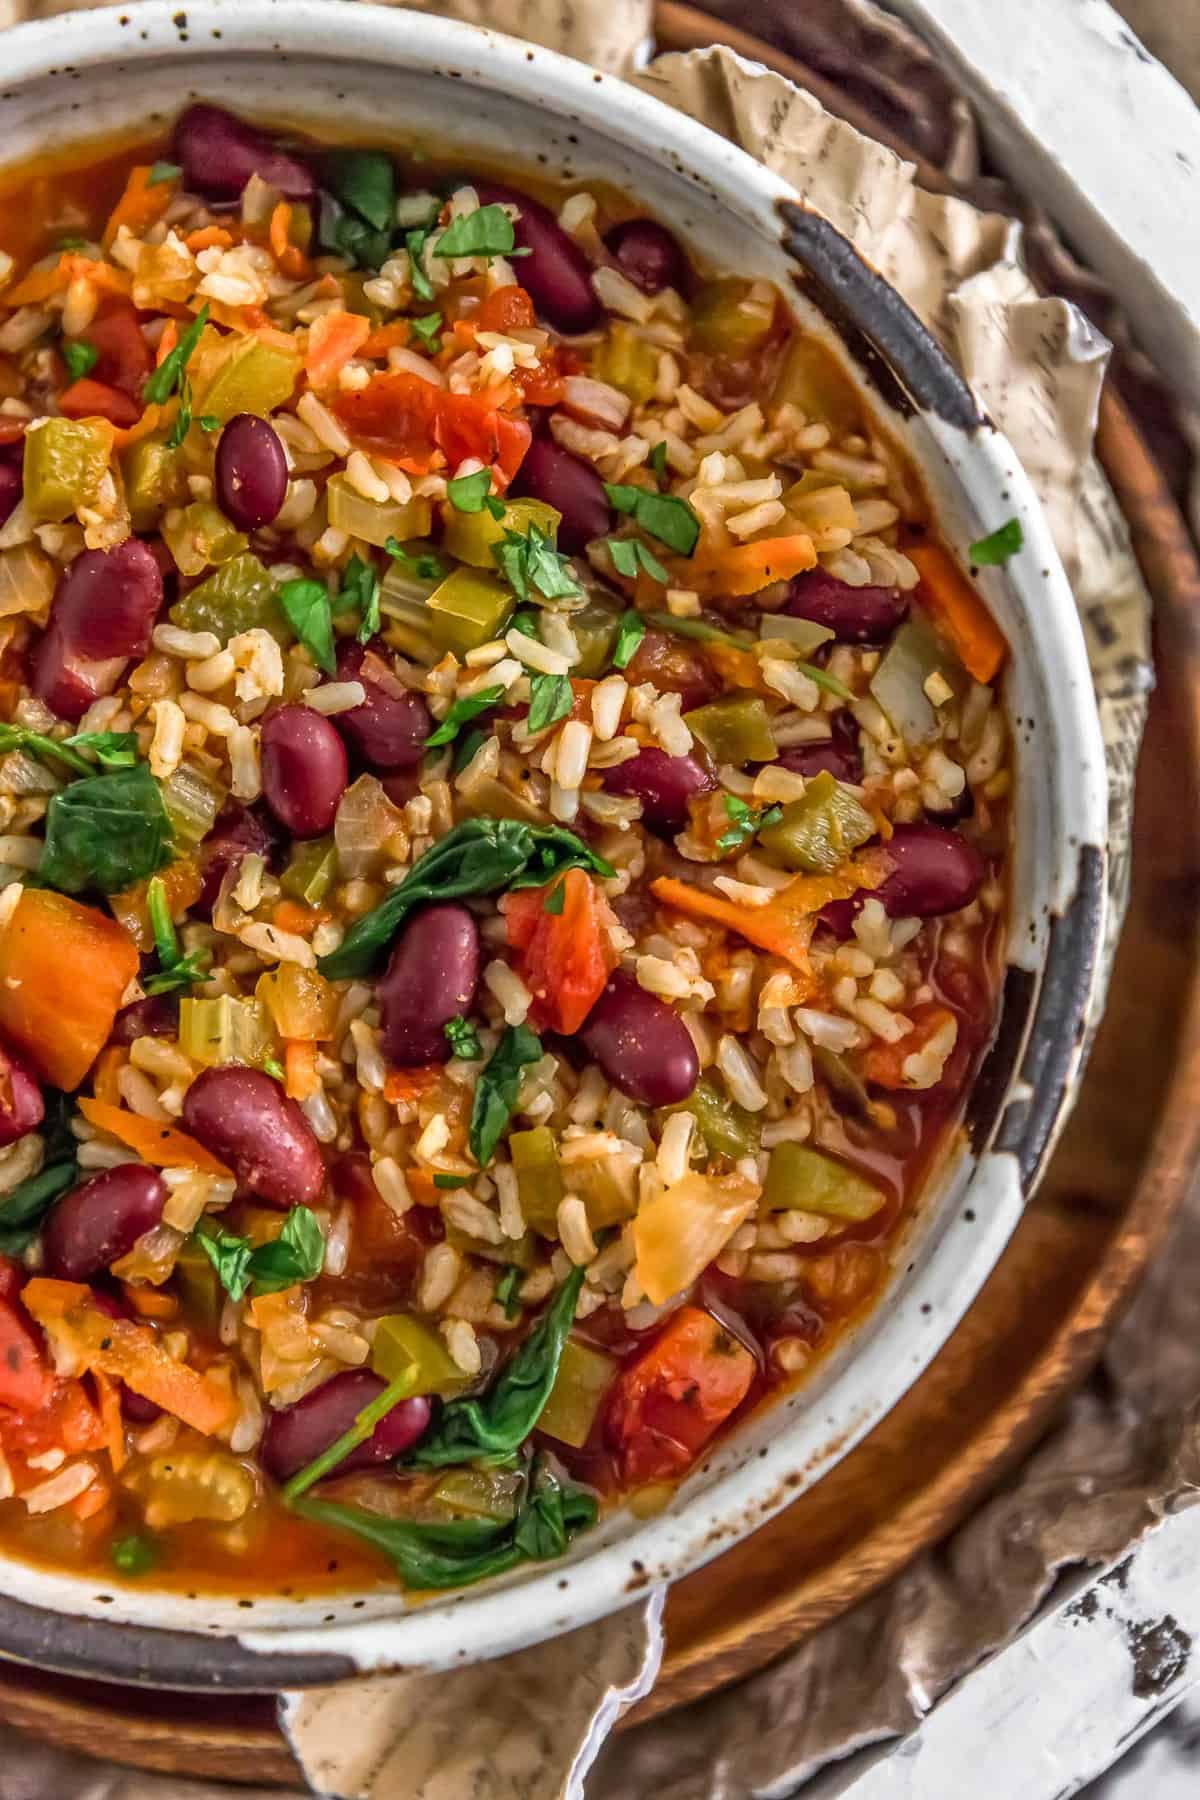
column 468, row 91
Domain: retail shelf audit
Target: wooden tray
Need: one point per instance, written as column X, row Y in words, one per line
column 1102, row 1210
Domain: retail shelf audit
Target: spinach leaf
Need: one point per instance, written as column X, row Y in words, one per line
column 494, row 1425
column 630, row 554
column 297, row 1254
column 696, row 628
column 310, row 614
column 414, row 243
column 665, row 516
column 80, row 358
column 999, row 545
column 478, row 856
column 357, row 1433
column 364, row 181
column 105, row 832
column 488, row 231
column 158, row 387
column 112, row 749
column 19, row 737
column 497, row 1089
column 458, row 1552
column 658, row 458
column 630, row 633
column 551, row 698
column 465, row 749
column 461, row 713
column 24, row 1207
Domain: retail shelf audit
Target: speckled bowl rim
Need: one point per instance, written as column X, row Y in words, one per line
column 1023, row 1088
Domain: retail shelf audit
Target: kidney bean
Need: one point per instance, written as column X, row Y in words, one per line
column 305, row 770
column 855, row 615
column 101, row 1220
column 103, row 614
column 841, row 757
column 431, row 979
column 220, row 152
column 296, row 1434
column 641, row 1043
column 155, row 1016
column 21, row 1106
column 664, row 785
column 11, row 487
column 572, row 487
column 936, row 871
column 237, row 832
column 246, row 1119
column 251, row 472
column 647, row 253
column 674, row 666
column 556, row 273
column 390, row 727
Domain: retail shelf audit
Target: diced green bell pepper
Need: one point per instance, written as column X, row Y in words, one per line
column 239, row 597
column 479, row 1493
column 539, row 1178
column 727, row 1129
column 584, row 1377
column 252, row 376
column 735, row 730
column 65, row 461
column 155, row 479
column 801, row 1179
column 402, row 1343
column 311, row 871
column 731, row 320
column 375, row 521
column 199, row 536
column 818, row 831
column 468, row 609
column 596, row 628
column 628, row 362
column 469, row 537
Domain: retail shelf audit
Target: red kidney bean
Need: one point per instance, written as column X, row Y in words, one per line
column 246, row 1119
column 304, row 769
column 156, row 1016
column 855, row 615
column 103, row 614
column 936, row 871
column 21, row 1106
column 11, row 486
column 841, row 757
column 572, row 487
column 556, row 273
column 219, row 153
column 641, row 1043
column 237, row 831
column 390, row 727
column 101, row 1220
column 674, row 666
column 431, row 979
column 296, row 1434
column 647, row 253
column 251, row 472
column 664, row 785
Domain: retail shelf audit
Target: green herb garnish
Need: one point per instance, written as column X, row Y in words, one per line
column 486, row 232
column 529, row 562
column 471, row 493
column 466, row 749
column 551, row 698
column 630, row 633
column 163, row 171
column 24, row 1207
column 999, row 545
column 105, row 832
column 80, row 358
column 630, row 554
column 697, row 629
column 175, row 970
column 665, row 516
column 297, row 1254
column 159, row 386
column 463, row 1040
column 427, row 328
column 414, row 243
column 450, row 1183
column 424, row 564
column 359, row 593
column 507, row 1291
column 364, row 181
column 134, row 1555
column 460, row 714
column 112, row 749
column 310, row 613
column 556, row 899
column 497, row 1089
column 658, row 459
column 746, row 822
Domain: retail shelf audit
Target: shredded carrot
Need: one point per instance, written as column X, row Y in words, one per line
column 141, row 205
column 277, row 233
column 420, row 1184
column 146, row 425
column 150, row 1303
column 300, row 1065
column 300, row 920
column 387, row 337
column 745, row 568
column 93, row 1501
column 166, row 343
column 109, row 1064
column 109, row 1397
column 333, row 339
column 410, row 1084
column 785, row 925
column 959, row 612
column 130, row 1353
column 39, row 284
column 159, row 1145
column 737, row 668
column 102, row 275
column 209, row 237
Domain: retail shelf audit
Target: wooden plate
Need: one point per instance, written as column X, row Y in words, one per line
column 1103, row 1208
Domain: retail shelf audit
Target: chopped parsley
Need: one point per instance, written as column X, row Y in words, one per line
column 463, row 1038
column 175, row 970
column 658, row 459
column 159, row 386
column 427, row 328
column 999, row 545
column 508, row 1290
column 488, row 231
column 111, row 749
column 414, row 243
column 309, row 612
column 530, row 563
column 550, row 699
column 630, row 633
column 297, row 1254
column 359, row 593
column 630, row 554
column 471, row 493
column 461, row 713
column 163, row 171
column 423, row 563
column 746, row 821
column 664, row 516
column 80, row 358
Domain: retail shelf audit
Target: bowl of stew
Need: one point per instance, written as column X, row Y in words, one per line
column 552, row 858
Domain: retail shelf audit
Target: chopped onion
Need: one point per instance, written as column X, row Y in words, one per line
column 27, row 580
column 193, row 797
column 679, row 1231
column 365, row 821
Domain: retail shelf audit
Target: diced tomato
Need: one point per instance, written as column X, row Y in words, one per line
column 126, row 359
column 884, row 1063
column 400, row 416
column 666, row 1405
column 88, row 399
column 540, row 386
column 505, row 309
column 66, row 1420
column 386, row 1248
column 12, row 1277
column 25, row 1378
column 565, row 958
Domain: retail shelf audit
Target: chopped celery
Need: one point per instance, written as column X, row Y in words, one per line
column 628, row 362
column 193, row 797
column 811, row 379
column 918, row 673
column 468, row 609
column 469, row 537
column 727, row 1129
column 243, row 375
column 596, row 629
column 225, row 1030
column 480, row 1493
column 155, row 479
column 65, row 462
column 732, row 317
column 375, row 521
column 200, row 535
column 240, row 596
column 311, row 871
column 818, row 831
column 403, row 1344
column 584, row 1377
column 801, row 1179
column 735, row 730
column 198, row 1283
column 539, row 1178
